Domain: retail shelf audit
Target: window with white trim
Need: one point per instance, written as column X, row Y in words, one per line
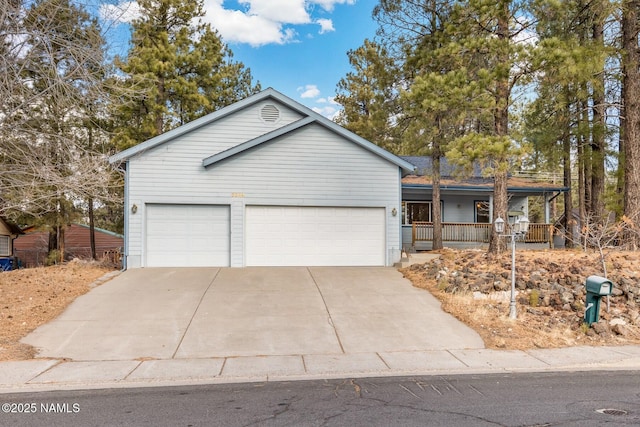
column 482, row 211
column 417, row 211
column 5, row 245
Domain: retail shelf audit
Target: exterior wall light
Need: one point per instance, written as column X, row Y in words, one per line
column 394, row 211
column 134, row 208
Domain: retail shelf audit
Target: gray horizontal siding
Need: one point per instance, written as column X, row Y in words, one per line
column 309, row 167
column 219, row 136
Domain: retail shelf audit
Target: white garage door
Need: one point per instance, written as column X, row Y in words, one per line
column 314, row 236
column 187, row 236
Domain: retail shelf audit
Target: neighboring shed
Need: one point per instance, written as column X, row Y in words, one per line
column 8, row 233
column 263, row 182
column 32, row 247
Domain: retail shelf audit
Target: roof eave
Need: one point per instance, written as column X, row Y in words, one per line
column 256, row 141
column 118, row 158
column 268, row 93
column 489, row 189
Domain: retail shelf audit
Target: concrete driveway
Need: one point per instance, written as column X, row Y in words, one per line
column 190, row 313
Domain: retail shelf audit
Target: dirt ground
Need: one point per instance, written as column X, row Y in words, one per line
column 554, row 316
column 34, row 296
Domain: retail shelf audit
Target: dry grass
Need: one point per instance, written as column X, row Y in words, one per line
column 490, row 319
column 32, row 297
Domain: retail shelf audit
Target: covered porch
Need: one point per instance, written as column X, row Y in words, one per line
column 466, row 209
column 473, row 234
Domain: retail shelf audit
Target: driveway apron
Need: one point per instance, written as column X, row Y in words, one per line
column 142, row 313
column 193, row 313
column 377, row 310
column 261, row 311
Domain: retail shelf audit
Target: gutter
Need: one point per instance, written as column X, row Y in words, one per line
column 488, row 189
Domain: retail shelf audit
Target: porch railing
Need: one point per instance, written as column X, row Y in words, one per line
column 475, row 232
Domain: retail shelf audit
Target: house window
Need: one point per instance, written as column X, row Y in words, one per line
column 417, row 211
column 482, row 211
column 5, row 243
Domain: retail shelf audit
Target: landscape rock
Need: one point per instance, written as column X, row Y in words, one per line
column 620, row 329
column 558, row 277
column 617, row 321
column 601, row 327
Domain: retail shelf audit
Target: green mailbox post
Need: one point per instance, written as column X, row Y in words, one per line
column 597, row 287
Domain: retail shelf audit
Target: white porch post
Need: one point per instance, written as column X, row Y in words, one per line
column 547, row 209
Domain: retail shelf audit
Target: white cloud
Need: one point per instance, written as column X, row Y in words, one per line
column 258, row 23
column 267, row 21
column 283, row 11
column 329, row 100
column 326, row 25
column 309, row 91
column 328, row 112
column 328, row 5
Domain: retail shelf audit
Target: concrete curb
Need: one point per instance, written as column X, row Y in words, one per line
column 52, row 374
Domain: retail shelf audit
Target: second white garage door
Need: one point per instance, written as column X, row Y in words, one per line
column 314, row 236
column 187, row 236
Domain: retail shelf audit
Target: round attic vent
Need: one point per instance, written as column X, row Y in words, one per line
column 270, row 113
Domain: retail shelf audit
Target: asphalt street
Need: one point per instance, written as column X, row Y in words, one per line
column 530, row 399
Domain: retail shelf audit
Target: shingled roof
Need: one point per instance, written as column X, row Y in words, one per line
column 449, row 181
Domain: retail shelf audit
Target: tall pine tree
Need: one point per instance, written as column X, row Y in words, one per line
column 369, row 96
column 178, row 68
column 631, row 118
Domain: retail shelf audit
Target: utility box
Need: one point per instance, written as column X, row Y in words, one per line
column 597, row 287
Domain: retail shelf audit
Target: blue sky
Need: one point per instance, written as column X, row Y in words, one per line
column 298, row 47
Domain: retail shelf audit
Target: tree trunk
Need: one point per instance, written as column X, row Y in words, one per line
column 584, row 194
column 598, row 146
column 160, row 101
column 92, row 229
column 501, row 123
column 61, row 245
column 631, row 119
column 569, row 222
column 500, row 203
column 435, row 202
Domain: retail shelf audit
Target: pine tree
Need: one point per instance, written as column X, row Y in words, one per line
column 631, row 118
column 369, row 96
column 568, row 113
column 431, row 103
column 179, row 68
column 486, row 36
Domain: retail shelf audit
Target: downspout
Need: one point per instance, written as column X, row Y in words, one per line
column 401, row 248
column 125, row 255
column 547, row 214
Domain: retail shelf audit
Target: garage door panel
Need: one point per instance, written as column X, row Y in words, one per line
column 187, row 236
column 314, row 236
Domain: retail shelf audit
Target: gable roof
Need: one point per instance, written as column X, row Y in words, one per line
column 424, row 166
column 270, row 93
column 11, row 227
